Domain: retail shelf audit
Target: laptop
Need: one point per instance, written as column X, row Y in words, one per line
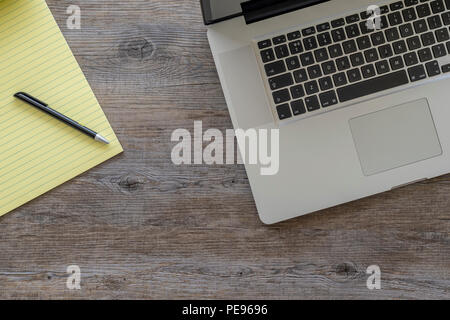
column 360, row 97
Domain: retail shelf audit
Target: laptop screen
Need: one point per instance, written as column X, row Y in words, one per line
column 219, row 10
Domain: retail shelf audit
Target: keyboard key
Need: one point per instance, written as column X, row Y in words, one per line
column 368, row 71
column 409, row 14
column 354, row 75
column 417, row 73
column 338, row 23
column 420, row 26
column 328, row 99
column 385, row 51
column 275, row 68
column 371, row 55
column 409, row 3
column 446, row 18
column 310, row 43
column 279, row 40
column 335, row 51
column 308, row 31
column 282, row 51
column 338, row 35
column 300, row 76
column 352, row 31
column 437, row 6
column 384, row 22
column 425, row 54
column 343, row 63
column 323, row 27
column 328, row 67
column 298, row 107
column 361, row 89
column 293, row 63
column 364, row 15
column 314, row 72
column 406, row 30
column 312, row 103
column 382, row 66
column 307, row 59
column 321, row 55
column 446, row 68
column 434, row 22
column 396, row 6
column 395, row 18
column 267, row 55
column 439, row 51
column 392, row 34
column 284, row 112
column 442, row 35
column 296, row 47
column 340, row 79
column 294, row 35
column 428, row 39
column 364, row 28
column 377, row 38
column 410, row 59
column 282, row 81
column 325, row 83
column 349, row 46
column 357, row 59
column 423, row 10
column 281, row 96
column 363, row 42
column 384, row 9
column 297, row 91
column 433, row 68
column 399, row 47
column 396, row 63
column 324, row 39
column 352, row 19
column 311, row 87
column 448, row 47
column 413, row 43
column 264, row 44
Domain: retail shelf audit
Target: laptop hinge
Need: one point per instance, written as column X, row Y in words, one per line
column 257, row 10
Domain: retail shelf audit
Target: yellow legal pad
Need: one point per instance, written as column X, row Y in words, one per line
column 37, row 152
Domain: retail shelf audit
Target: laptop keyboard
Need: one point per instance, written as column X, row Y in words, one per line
column 338, row 61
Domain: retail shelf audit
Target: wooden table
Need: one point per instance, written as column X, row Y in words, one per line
column 140, row 227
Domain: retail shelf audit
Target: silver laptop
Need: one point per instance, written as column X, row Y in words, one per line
column 361, row 97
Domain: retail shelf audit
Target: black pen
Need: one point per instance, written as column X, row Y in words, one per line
column 45, row 108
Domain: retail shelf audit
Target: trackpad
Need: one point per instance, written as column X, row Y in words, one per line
column 395, row 137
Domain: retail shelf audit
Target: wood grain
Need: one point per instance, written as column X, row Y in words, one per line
column 140, row 227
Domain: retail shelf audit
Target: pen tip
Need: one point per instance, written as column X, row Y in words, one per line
column 101, row 139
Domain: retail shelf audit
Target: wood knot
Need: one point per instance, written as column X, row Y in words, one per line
column 136, row 49
column 347, row 270
column 131, row 182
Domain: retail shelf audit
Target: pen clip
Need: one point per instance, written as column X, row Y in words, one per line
column 28, row 98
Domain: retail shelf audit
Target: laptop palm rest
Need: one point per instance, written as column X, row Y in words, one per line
column 395, row 137
column 245, row 88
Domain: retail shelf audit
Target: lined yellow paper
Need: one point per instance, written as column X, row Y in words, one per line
column 37, row 152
